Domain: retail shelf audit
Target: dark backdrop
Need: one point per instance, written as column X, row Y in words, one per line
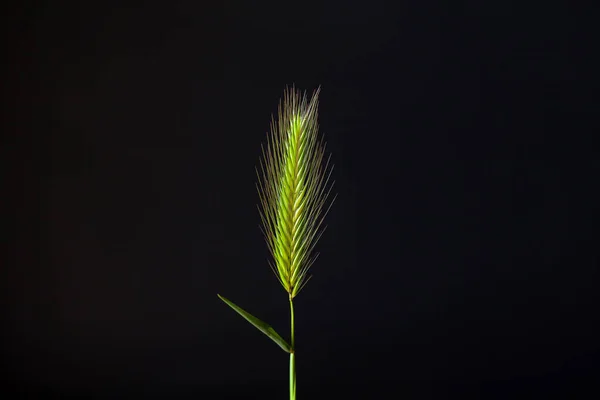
column 459, row 256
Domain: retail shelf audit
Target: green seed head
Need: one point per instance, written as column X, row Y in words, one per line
column 293, row 186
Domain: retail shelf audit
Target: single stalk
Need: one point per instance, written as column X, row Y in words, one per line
column 292, row 354
column 293, row 187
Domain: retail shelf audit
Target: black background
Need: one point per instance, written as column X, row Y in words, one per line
column 459, row 257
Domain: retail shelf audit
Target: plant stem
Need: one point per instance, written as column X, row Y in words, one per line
column 292, row 355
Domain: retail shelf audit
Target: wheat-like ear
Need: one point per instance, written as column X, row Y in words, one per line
column 294, row 187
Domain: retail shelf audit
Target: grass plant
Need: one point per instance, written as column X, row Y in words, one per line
column 294, row 188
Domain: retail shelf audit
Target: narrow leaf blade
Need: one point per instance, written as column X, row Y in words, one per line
column 260, row 325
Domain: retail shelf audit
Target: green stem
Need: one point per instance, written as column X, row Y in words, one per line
column 292, row 355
